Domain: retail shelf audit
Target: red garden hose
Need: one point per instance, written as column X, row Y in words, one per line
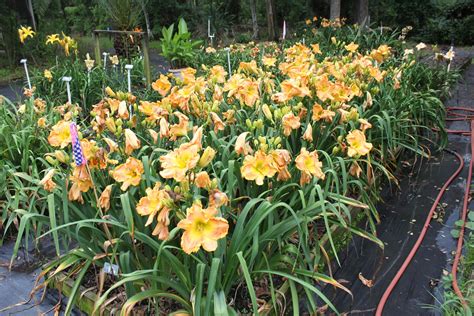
column 413, row 251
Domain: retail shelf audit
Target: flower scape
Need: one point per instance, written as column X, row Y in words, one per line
column 201, row 185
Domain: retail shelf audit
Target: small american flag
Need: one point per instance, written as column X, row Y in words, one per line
column 79, row 158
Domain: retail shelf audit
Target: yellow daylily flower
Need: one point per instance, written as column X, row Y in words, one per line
column 25, row 32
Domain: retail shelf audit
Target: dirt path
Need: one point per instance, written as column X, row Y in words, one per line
column 402, row 217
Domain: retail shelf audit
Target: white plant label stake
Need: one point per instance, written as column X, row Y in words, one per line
column 129, row 69
column 68, row 88
column 23, row 61
column 228, row 61
column 211, row 36
column 105, row 58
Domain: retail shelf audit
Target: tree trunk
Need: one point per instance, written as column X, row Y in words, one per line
column 32, row 13
column 147, row 20
column 335, row 9
column 272, row 35
column 253, row 11
column 363, row 17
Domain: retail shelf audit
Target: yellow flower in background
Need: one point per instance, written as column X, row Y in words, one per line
column 25, row 32
column 60, row 135
column 41, row 122
column 89, row 62
column 157, row 204
column 357, row 144
column 269, row 61
column 202, row 229
column 351, row 47
column 178, row 162
column 420, row 46
column 217, row 74
column 114, row 60
column 47, row 181
column 162, row 85
column 128, row 173
column 131, row 141
column 248, row 67
column 48, row 75
column 51, row 39
column 309, row 165
column 210, row 50
column 290, row 122
column 256, row 168
column 316, row 49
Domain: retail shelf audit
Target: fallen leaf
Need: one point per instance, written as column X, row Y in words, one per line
column 366, row 282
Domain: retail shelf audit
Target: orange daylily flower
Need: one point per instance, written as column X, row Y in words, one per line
column 104, row 199
column 357, row 144
column 256, row 168
column 47, row 181
column 60, row 135
column 217, row 122
column 157, row 204
column 351, row 47
column 269, row 61
column 178, row 162
column 241, row 146
column 129, row 173
column 162, row 85
column 290, row 122
column 308, row 134
column 202, row 229
column 202, row 179
column 218, row 74
column 81, row 182
column 309, row 165
column 180, row 129
column 131, row 141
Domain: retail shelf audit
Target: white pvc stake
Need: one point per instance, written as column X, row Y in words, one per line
column 228, row 61
column 450, row 60
column 129, row 69
column 105, row 58
column 68, row 88
column 23, row 61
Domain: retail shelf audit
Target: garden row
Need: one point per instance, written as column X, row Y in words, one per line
column 216, row 192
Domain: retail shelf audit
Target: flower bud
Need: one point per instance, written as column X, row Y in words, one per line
column 206, row 157
column 61, row 156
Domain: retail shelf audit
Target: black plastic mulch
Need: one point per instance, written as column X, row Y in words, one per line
column 403, row 214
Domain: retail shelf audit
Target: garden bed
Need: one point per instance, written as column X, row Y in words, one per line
column 218, row 190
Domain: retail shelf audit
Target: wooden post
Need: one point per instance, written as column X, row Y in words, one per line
column 98, row 58
column 146, row 60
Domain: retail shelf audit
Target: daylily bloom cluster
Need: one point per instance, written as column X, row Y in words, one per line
column 270, row 112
